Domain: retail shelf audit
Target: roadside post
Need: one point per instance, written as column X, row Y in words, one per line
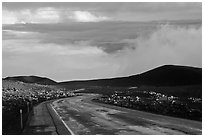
column 21, row 118
column 27, row 107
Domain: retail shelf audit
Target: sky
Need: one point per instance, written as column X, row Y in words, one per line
column 74, row 41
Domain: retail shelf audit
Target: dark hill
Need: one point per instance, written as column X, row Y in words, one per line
column 32, row 79
column 168, row 75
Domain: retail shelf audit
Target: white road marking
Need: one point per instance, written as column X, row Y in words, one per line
column 72, row 133
column 88, row 105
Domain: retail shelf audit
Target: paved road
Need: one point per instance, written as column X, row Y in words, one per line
column 41, row 122
column 84, row 117
column 79, row 115
column 45, row 121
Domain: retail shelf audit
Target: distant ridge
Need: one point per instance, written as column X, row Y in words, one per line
column 32, row 79
column 167, row 75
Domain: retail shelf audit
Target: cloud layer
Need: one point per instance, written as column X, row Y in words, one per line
column 167, row 45
column 49, row 15
column 66, row 41
column 97, row 12
column 33, row 52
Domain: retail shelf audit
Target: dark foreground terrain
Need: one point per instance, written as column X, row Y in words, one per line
column 18, row 96
column 168, row 90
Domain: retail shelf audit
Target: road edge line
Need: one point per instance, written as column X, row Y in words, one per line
column 72, row 133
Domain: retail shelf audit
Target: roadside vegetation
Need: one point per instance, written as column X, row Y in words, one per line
column 183, row 102
column 18, row 96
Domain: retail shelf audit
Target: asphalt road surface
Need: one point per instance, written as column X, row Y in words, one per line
column 81, row 116
column 41, row 122
column 45, row 121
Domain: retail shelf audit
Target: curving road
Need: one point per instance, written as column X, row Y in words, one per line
column 79, row 115
column 83, row 117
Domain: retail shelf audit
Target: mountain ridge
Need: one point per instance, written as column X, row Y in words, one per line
column 166, row 75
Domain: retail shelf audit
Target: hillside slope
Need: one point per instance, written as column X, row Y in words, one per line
column 167, row 75
column 32, row 79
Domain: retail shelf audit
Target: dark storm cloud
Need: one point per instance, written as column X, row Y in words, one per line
column 115, row 47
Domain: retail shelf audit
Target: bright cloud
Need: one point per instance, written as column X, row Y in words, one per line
column 85, row 16
column 49, row 15
column 41, row 15
column 167, row 45
column 9, row 17
column 46, row 15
